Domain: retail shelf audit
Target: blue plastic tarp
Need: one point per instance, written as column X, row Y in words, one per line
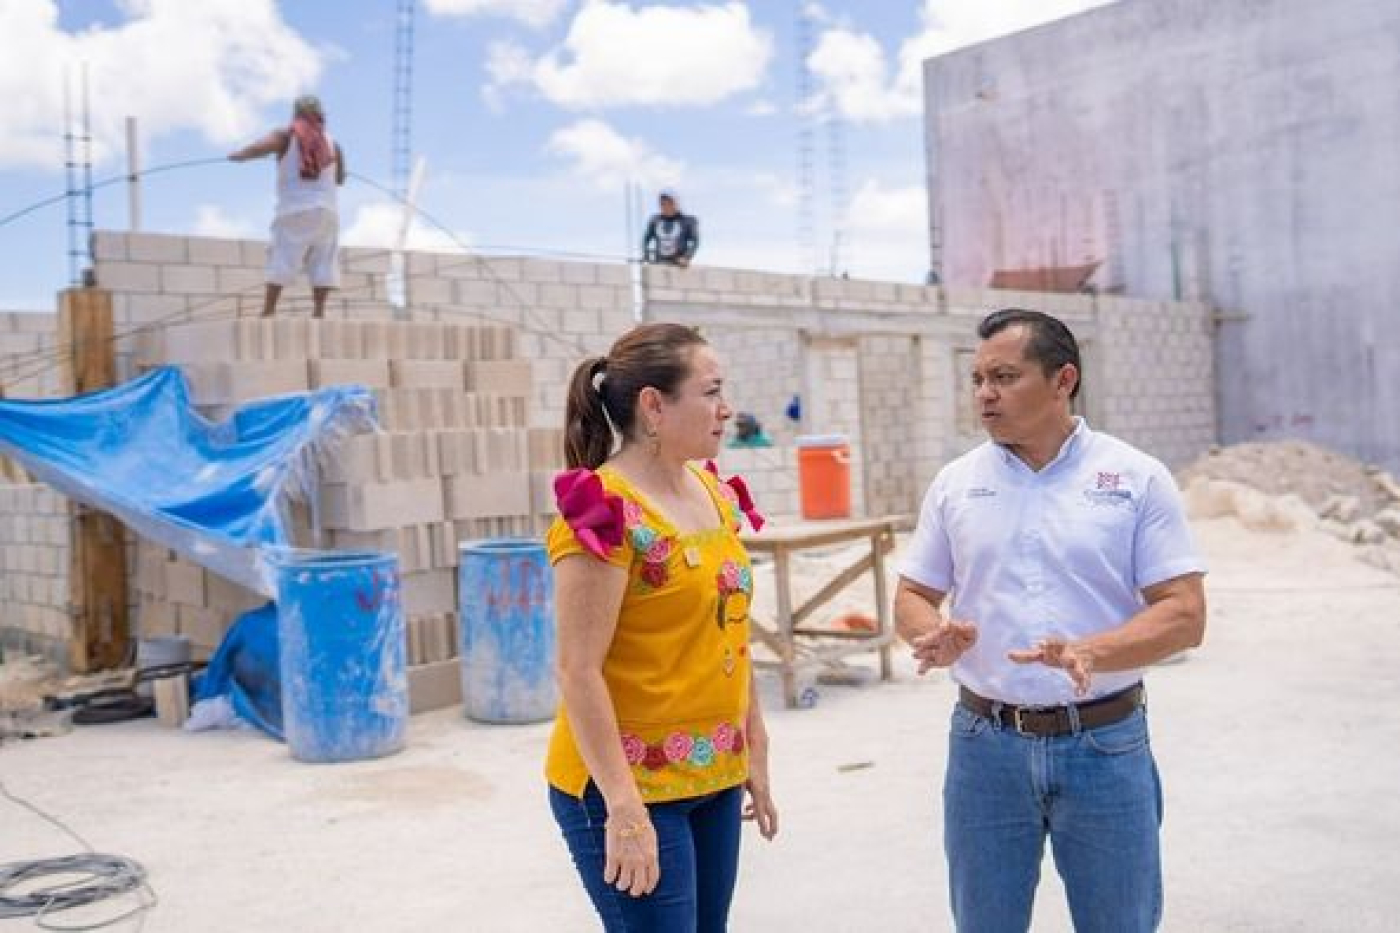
column 214, row 492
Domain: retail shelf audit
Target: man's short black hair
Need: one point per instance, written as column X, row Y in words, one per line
column 1051, row 343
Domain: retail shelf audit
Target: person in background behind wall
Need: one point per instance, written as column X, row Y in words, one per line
column 659, row 733
column 671, row 237
column 1071, row 568
column 306, row 225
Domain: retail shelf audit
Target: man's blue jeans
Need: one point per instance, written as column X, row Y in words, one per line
column 698, row 844
column 1097, row 796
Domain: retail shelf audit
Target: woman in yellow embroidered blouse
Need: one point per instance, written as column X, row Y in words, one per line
column 659, row 732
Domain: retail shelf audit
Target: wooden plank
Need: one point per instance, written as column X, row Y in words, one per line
column 97, row 578
column 833, row 586
column 816, row 534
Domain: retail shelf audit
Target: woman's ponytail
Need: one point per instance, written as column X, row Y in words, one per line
column 588, row 437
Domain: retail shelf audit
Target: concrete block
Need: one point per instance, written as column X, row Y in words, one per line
column 155, row 617
column 500, row 377
column 434, row 686
column 426, row 340
column 429, row 593
column 200, row 341
column 229, row 598
column 295, row 339
column 184, row 583
column 254, row 253
column 487, row 495
column 372, row 506
column 108, row 246
column 343, row 340
column 189, row 280
column 255, row 340
column 232, row 383
column 373, row 374
column 129, row 276
column 476, row 294
column 205, row 628
column 426, row 374
column 157, row 247
column 208, row 251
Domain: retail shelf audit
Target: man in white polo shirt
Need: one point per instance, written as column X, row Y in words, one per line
column 1069, row 566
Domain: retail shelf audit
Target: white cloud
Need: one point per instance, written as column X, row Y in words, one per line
column 210, row 66
column 856, row 78
column 658, row 56
column 376, row 225
column 211, row 221
column 610, row 160
column 536, row 13
column 887, row 230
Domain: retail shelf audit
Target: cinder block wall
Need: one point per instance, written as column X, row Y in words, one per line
column 34, row 566
column 906, row 404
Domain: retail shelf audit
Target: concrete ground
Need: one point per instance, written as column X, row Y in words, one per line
column 1278, row 741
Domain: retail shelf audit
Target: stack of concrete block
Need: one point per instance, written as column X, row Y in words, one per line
column 177, row 597
column 453, row 461
column 35, row 555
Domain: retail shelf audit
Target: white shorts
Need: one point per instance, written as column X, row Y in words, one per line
column 307, row 240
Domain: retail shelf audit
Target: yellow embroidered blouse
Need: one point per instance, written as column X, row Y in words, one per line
column 678, row 667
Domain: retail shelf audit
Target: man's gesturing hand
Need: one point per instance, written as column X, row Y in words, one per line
column 944, row 645
column 1055, row 651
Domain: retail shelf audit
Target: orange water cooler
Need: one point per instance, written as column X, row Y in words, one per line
column 824, row 475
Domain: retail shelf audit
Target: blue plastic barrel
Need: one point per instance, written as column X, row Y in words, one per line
column 341, row 653
column 505, row 601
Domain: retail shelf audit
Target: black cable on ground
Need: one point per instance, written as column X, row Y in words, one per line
column 99, row 877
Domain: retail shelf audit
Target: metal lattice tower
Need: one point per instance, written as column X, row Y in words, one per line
column 77, row 162
column 836, row 179
column 402, row 158
column 806, row 159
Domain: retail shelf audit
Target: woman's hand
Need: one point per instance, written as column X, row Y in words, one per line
column 631, row 863
column 760, row 808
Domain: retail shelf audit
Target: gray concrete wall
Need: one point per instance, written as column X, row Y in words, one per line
column 1242, row 153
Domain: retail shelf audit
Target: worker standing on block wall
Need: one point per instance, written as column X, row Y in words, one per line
column 306, row 225
column 659, row 733
column 1070, row 567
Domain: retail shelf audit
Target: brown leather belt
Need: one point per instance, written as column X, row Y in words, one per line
column 1049, row 721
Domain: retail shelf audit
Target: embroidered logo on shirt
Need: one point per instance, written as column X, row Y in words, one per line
column 980, row 492
column 1108, row 489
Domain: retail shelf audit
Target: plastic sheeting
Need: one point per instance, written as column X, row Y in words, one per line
column 214, row 492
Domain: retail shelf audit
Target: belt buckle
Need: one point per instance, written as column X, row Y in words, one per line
column 1016, row 718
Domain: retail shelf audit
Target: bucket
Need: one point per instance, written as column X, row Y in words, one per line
column 159, row 651
column 505, row 604
column 341, row 653
column 824, row 475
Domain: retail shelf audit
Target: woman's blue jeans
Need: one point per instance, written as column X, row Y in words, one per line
column 1097, row 796
column 698, row 844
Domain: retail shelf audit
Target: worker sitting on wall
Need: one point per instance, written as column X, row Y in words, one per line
column 671, row 236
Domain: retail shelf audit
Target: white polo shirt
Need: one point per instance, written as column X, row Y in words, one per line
column 1063, row 551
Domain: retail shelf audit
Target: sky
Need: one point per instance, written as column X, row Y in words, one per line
column 533, row 118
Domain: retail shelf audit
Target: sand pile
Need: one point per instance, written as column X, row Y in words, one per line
column 1291, row 486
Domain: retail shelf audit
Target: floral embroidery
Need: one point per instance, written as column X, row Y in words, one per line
column 634, row 748
column 678, row 746
column 702, row 753
column 655, row 758
column 732, row 580
column 695, row 749
column 595, row 516
column 655, row 549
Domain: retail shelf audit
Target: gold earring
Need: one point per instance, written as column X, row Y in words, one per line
column 653, row 441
